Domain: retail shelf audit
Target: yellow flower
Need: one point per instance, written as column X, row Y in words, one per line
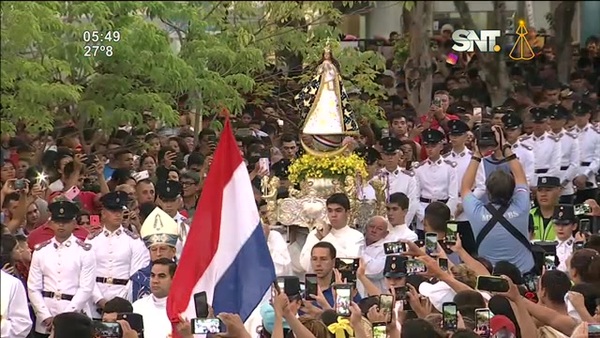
column 309, row 166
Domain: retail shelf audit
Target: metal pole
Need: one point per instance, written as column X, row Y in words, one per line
column 197, row 110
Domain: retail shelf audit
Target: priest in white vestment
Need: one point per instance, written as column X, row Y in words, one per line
column 15, row 321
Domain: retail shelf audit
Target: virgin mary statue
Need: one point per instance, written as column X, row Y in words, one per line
column 325, row 109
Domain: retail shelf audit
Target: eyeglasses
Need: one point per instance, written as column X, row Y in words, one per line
column 186, row 184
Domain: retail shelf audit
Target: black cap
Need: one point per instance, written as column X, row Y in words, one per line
column 168, row 190
column 457, row 127
column 512, row 121
column 564, row 214
column 115, row 200
column 538, row 114
column 390, row 145
column 369, row 154
column 63, row 211
column 558, row 112
column 395, row 266
column 548, row 182
column 281, row 169
column 581, row 108
column 432, row 136
column 292, row 285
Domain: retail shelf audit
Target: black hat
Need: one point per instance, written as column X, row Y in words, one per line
column 564, row 214
column 548, row 182
column 369, row 154
column 115, row 200
column 432, row 136
column 558, row 112
column 280, row 169
column 292, row 285
column 168, row 190
column 63, row 211
column 390, row 145
column 512, row 121
column 538, row 114
column 457, row 127
column 581, row 108
column 395, row 266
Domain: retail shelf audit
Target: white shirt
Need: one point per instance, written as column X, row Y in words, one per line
column 437, row 181
column 348, row 243
column 564, row 249
column 119, row 255
column 63, row 268
column 280, row 254
column 569, row 159
column 400, row 233
column 154, row 314
column 374, row 259
column 16, row 322
column 589, row 152
column 462, row 160
column 405, row 181
column 546, row 154
column 184, row 230
column 525, row 155
column 57, row 185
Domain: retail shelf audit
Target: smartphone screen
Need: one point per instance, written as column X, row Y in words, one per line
column 347, row 267
column 206, row 325
column 401, row 292
column 107, row 330
column 550, row 261
column 594, row 330
column 531, row 281
column 343, row 294
column 449, row 316
column 379, row 330
column 386, row 305
column 443, row 263
column 385, row 133
column 451, row 231
column 414, row 266
column 264, row 164
column 584, row 226
column 394, row 248
column 476, row 111
column 201, row 304
column 431, row 243
column 482, row 322
column 492, row 283
column 281, row 284
column 582, row 209
column 310, row 285
column 578, row 246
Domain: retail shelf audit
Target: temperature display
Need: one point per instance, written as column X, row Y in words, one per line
column 97, row 51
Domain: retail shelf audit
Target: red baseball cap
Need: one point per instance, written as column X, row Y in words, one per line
column 499, row 323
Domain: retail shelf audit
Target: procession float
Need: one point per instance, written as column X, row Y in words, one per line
column 328, row 165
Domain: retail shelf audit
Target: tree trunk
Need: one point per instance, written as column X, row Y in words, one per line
column 492, row 65
column 418, row 67
column 563, row 19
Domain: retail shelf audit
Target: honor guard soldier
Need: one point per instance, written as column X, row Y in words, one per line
column 399, row 180
column 373, row 159
column 589, row 150
column 569, row 148
column 565, row 222
column 62, row 273
column 461, row 155
column 395, row 271
column 513, row 126
column 546, row 147
column 119, row 252
column 160, row 233
column 436, row 176
column 169, row 200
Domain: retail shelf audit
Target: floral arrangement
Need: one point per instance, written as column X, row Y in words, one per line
column 309, row 166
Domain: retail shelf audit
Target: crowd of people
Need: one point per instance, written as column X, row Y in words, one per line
column 93, row 224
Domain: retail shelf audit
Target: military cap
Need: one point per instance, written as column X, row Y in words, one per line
column 512, row 121
column 369, row 154
column 538, row 114
column 564, row 214
column 116, row 200
column 581, row 108
column 159, row 228
column 558, row 112
column 548, row 182
column 395, row 266
column 432, row 136
column 281, row 168
column 168, row 190
column 390, row 145
column 63, row 211
column 457, row 127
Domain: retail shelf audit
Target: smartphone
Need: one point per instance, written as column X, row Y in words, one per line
column 72, row 193
column 201, row 304
column 482, row 322
column 90, row 160
column 385, row 132
column 550, row 261
column 414, row 266
column 492, row 283
column 401, row 292
column 280, row 122
column 206, row 325
column 135, row 320
column 347, row 267
column 582, row 209
column 281, row 284
column 593, row 330
column 386, row 306
column 275, row 290
column 142, row 175
column 477, row 111
column 343, row 297
column 584, row 226
column 449, row 316
column 379, row 330
column 451, row 233
column 265, row 165
column 443, row 263
column 19, row 184
column 310, row 286
column 578, row 246
column 437, row 102
column 531, row 281
column 394, row 248
column 431, row 241
column 107, row 330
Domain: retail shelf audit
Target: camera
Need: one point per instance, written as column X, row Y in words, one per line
column 486, row 137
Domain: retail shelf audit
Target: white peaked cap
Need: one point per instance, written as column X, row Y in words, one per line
column 159, row 228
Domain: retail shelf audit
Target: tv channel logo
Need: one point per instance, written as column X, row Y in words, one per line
column 466, row 40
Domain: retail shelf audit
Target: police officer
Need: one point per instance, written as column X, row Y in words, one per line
column 546, row 147
column 169, row 199
column 62, row 273
column 513, row 126
column 399, row 180
column 565, row 223
column 569, row 147
column 540, row 217
column 436, row 176
column 589, row 149
column 119, row 252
